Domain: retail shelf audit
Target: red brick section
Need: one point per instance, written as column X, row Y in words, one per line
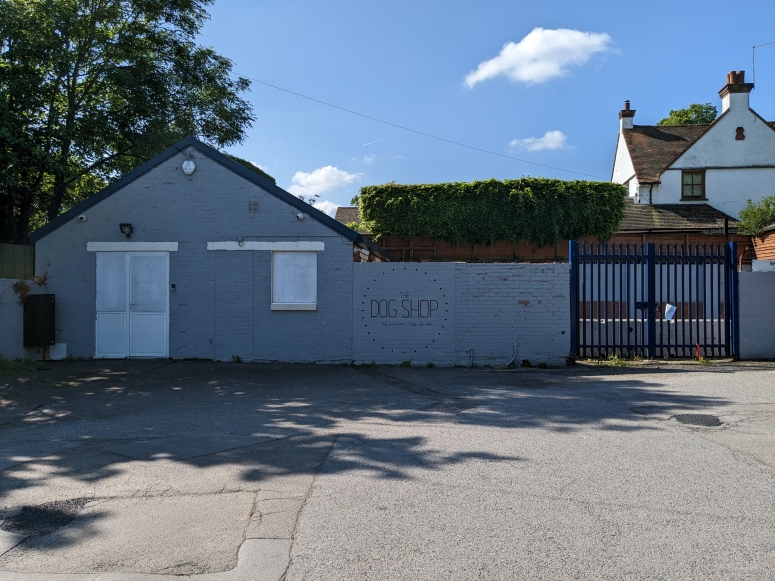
column 427, row 249
column 764, row 246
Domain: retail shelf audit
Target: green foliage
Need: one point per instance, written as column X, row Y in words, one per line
column 356, row 200
column 354, row 226
column 252, row 167
column 616, row 361
column 236, row 359
column 538, row 210
column 22, row 290
column 406, row 363
column 90, row 90
column 9, row 366
column 694, row 114
column 756, row 217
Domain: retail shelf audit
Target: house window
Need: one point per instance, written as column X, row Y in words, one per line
column 693, row 185
column 294, row 281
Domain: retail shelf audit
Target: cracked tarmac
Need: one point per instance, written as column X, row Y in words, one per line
column 126, row 470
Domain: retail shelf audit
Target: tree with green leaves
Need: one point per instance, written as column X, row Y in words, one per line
column 754, row 218
column 89, row 89
column 694, row 114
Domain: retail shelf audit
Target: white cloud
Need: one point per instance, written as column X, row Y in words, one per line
column 541, row 55
column 369, row 158
column 327, row 207
column 320, row 180
column 550, row 140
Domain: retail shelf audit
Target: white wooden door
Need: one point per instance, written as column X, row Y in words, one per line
column 112, row 331
column 148, row 304
column 132, row 304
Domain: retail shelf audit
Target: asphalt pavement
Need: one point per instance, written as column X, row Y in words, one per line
column 129, row 470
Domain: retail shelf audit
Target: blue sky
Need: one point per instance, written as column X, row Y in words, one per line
column 478, row 73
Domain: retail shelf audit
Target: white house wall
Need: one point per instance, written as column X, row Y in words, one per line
column 726, row 190
column 623, row 168
column 719, row 148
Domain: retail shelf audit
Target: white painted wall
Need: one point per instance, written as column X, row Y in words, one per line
column 623, row 168
column 718, row 147
column 734, row 171
column 726, row 189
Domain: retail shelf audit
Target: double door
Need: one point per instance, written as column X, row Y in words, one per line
column 132, row 317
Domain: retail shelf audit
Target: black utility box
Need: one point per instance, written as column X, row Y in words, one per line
column 39, row 321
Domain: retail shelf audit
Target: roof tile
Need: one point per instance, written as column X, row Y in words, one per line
column 654, row 147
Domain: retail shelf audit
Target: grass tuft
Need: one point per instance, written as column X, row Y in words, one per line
column 9, row 366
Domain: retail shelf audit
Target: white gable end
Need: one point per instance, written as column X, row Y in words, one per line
column 718, row 147
column 623, row 168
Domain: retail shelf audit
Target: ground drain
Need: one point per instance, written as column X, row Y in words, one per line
column 450, row 407
column 35, row 521
column 698, row 420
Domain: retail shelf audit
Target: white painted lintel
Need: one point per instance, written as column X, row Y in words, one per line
column 294, row 307
column 303, row 246
column 131, row 247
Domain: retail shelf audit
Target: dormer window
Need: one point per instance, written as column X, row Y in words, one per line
column 693, row 185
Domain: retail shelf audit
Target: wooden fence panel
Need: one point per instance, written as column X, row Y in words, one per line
column 17, row 261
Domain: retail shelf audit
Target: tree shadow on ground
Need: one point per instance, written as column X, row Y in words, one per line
column 85, row 423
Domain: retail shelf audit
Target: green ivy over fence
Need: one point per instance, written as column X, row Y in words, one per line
column 539, row 210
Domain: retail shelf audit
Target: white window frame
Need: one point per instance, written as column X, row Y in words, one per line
column 285, row 306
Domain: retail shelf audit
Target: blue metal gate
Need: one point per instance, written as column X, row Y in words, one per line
column 649, row 301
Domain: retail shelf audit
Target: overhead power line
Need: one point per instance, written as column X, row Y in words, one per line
column 404, row 128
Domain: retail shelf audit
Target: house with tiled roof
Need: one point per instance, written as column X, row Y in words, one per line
column 710, row 169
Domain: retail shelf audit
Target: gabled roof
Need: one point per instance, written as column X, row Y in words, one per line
column 226, row 162
column 673, row 218
column 653, row 148
column 348, row 215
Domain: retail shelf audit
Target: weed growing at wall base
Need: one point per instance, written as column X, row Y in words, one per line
column 9, row 366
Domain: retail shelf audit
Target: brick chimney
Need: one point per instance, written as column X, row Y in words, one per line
column 734, row 95
column 626, row 116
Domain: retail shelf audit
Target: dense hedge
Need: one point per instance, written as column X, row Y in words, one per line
column 538, row 210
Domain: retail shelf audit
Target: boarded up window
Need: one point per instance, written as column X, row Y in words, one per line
column 294, row 278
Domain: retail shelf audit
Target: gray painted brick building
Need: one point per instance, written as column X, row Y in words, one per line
column 195, row 277
column 222, row 264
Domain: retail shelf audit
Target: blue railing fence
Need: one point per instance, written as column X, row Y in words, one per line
column 653, row 300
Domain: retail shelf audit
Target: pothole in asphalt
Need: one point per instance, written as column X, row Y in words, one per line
column 43, row 519
column 450, row 407
column 707, row 420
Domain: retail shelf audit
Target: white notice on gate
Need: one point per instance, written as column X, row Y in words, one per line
column 669, row 312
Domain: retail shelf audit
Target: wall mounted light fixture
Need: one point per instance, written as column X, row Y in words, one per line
column 188, row 167
column 126, row 229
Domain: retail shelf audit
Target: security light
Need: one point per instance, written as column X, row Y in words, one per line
column 188, row 167
column 126, row 229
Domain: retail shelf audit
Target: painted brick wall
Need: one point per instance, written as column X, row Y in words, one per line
column 757, row 315
column 439, row 312
column 498, row 304
column 404, row 312
column 211, row 205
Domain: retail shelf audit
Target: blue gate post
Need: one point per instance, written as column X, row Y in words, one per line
column 573, row 258
column 734, row 300
column 652, row 297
